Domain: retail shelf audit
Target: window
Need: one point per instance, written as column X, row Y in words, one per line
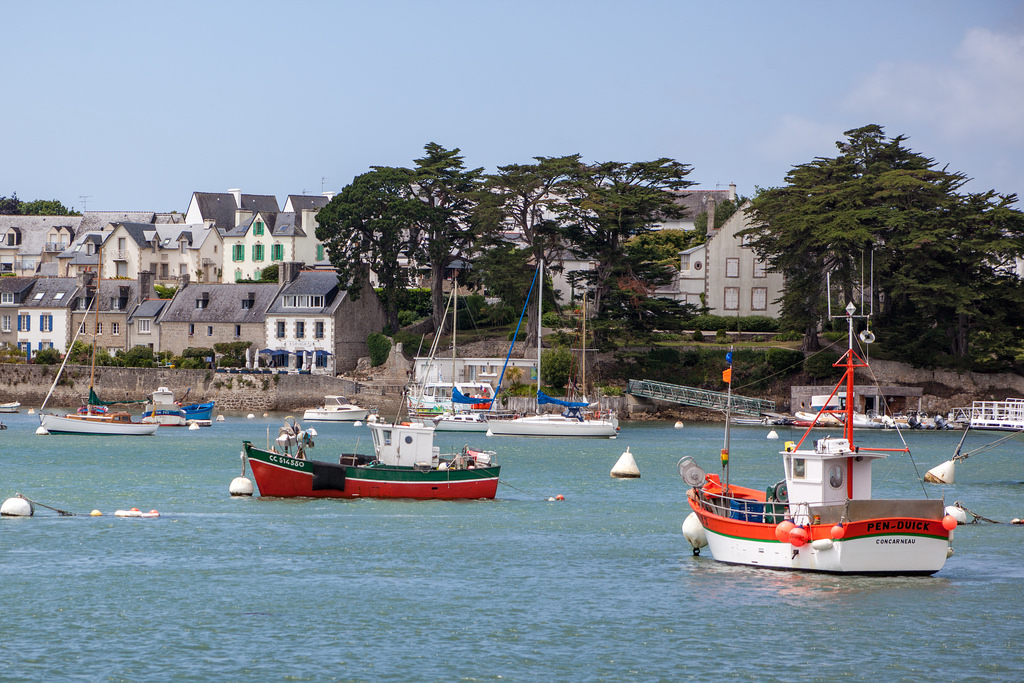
column 238, row 331
column 183, row 245
column 247, row 304
column 7, row 298
column 258, row 229
column 300, row 330
column 280, row 329
column 99, row 329
column 115, row 304
column 320, row 359
column 238, row 252
column 318, row 329
column 144, row 326
column 24, row 323
column 732, row 298
column 58, row 296
column 191, row 329
column 238, row 274
column 115, row 328
column 277, row 252
column 303, row 301
column 319, row 252
column 684, row 262
column 759, row 269
column 732, row 267
column 163, row 270
column 202, row 302
column 209, row 330
column 759, row 299
column 5, row 323
column 257, row 252
column 122, row 244
column 45, row 323
column 799, row 468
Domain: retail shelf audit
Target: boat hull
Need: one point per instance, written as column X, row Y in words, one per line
column 553, row 425
column 98, row 425
column 199, row 412
column 321, row 415
column 448, row 423
column 165, row 417
column 281, row 476
column 881, row 546
column 10, row 407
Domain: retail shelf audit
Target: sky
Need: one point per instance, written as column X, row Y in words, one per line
column 133, row 106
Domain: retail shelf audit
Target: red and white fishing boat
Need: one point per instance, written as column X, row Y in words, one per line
column 821, row 517
column 405, row 464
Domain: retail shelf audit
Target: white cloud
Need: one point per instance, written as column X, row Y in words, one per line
column 980, row 93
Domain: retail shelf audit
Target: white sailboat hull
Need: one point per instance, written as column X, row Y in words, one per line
column 467, row 422
column 94, row 424
column 329, row 415
column 554, row 425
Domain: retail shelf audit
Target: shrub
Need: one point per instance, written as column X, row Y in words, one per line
column 698, row 336
column 47, row 357
column 819, row 366
column 721, row 337
column 789, row 335
column 556, row 366
column 380, row 348
column 551, row 319
column 137, row 357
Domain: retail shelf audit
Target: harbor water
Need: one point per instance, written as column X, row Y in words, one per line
column 600, row 586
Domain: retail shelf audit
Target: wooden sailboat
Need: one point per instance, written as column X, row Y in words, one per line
column 93, row 419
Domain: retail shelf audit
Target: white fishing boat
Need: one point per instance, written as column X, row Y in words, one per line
column 11, row 407
column 336, row 409
column 821, row 516
column 576, row 420
column 163, row 410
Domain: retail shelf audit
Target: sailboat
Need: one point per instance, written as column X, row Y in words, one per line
column 575, row 420
column 821, row 516
column 452, row 406
column 94, row 418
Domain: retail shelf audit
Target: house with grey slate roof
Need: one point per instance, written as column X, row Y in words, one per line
column 142, row 327
column 42, row 318
column 167, row 251
column 105, row 314
column 320, row 327
column 203, row 314
column 14, row 291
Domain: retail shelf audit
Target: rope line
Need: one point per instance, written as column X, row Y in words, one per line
column 62, row 513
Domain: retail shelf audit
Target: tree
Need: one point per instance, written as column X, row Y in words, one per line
column 663, row 246
column 9, row 205
column 524, row 199
column 942, row 260
column 12, row 206
column 371, row 221
column 445, row 232
column 605, row 206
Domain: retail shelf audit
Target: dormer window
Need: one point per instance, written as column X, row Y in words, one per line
column 203, row 301
column 38, row 296
column 6, row 297
column 13, row 237
column 258, row 228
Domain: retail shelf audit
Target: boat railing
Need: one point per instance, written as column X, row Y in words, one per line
column 743, row 508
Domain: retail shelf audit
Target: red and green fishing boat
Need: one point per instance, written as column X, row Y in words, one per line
column 405, row 464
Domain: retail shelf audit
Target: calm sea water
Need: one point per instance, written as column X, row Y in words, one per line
column 601, row 586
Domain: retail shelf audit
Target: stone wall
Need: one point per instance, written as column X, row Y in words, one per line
column 232, row 391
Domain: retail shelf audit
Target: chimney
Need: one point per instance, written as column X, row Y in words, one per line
column 183, row 280
column 289, row 271
column 242, row 216
column 146, row 289
column 238, row 197
column 732, row 191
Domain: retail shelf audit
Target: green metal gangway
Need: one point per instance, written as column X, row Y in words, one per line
column 700, row 398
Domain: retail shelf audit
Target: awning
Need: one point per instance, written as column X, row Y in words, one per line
column 321, row 352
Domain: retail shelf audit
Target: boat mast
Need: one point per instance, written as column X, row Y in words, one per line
column 728, row 418
column 848, row 427
column 540, row 307
column 583, row 357
column 455, row 308
column 96, row 318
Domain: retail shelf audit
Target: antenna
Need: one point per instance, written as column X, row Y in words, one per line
column 85, row 201
column 323, row 183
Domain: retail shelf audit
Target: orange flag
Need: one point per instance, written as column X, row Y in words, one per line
column 727, row 376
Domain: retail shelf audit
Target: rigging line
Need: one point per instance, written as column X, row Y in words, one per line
column 62, row 513
column 986, row 447
column 787, row 369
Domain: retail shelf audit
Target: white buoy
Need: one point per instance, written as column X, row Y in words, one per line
column 193, row 425
column 773, row 435
column 357, row 423
column 489, row 433
column 41, row 430
column 16, row 507
column 957, row 513
column 693, row 532
column 240, row 486
column 941, row 474
column 678, row 424
column 250, row 416
column 220, row 418
column 625, row 467
column 372, row 418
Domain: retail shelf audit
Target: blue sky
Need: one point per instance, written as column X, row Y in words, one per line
column 135, row 105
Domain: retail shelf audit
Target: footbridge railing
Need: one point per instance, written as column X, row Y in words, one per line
column 700, row 398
